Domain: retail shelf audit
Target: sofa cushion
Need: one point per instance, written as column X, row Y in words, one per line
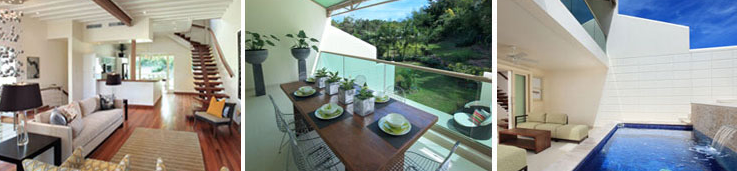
column 95, row 123
column 89, row 105
column 528, row 125
column 548, row 127
column 572, row 132
column 77, row 127
column 557, row 118
column 536, row 118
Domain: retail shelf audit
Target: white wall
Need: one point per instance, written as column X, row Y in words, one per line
column 632, row 36
column 51, row 54
column 654, row 76
column 80, row 65
column 226, row 31
column 574, row 92
column 336, row 40
column 280, row 66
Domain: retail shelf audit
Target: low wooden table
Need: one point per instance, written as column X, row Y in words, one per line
column 540, row 138
column 37, row 144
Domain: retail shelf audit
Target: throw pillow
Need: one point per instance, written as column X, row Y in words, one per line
column 57, row 118
column 77, row 126
column 226, row 111
column 216, row 107
column 70, row 111
column 477, row 117
column 107, row 102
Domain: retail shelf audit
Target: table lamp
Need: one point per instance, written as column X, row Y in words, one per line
column 19, row 98
column 113, row 79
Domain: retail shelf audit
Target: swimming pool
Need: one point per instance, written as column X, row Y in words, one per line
column 655, row 148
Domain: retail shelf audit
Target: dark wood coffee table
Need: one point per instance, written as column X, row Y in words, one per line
column 540, row 138
column 37, row 144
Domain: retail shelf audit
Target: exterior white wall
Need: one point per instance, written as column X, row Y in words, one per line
column 654, row 76
column 560, row 15
column 632, row 37
column 336, row 40
column 280, row 66
column 140, row 30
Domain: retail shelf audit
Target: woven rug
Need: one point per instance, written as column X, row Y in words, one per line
column 180, row 150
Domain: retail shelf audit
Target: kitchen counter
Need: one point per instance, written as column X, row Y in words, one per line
column 138, row 92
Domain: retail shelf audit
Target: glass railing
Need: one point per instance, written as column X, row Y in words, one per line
column 585, row 17
column 437, row 92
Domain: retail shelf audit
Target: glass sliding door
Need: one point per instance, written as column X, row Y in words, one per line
column 520, row 96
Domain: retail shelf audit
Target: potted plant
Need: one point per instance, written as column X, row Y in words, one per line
column 333, row 83
column 255, row 54
column 321, row 77
column 364, row 103
column 346, row 92
column 301, row 50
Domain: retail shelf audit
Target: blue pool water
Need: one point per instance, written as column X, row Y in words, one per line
column 654, row 148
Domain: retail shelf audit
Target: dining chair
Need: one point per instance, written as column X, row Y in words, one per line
column 284, row 126
column 414, row 161
column 311, row 154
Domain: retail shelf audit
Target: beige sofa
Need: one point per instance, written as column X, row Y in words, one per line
column 558, row 126
column 511, row 158
column 98, row 125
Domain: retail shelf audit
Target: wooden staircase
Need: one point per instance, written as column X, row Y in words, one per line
column 502, row 99
column 206, row 79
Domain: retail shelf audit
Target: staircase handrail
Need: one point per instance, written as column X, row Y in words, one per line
column 217, row 47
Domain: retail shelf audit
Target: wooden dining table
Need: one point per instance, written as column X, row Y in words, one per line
column 351, row 139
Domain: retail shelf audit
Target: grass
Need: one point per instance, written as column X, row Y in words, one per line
column 448, row 51
column 444, row 93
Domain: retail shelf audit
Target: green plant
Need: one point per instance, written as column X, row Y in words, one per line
column 258, row 41
column 323, row 72
column 300, row 41
column 333, row 77
column 347, row 84
column 364, row 93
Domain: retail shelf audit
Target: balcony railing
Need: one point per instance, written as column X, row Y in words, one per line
column 440, row 92
column 586, row 18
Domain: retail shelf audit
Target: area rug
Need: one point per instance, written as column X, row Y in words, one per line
column 180, row 150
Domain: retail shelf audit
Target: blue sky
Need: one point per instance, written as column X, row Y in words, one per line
column 713, row 23
column 393, row 11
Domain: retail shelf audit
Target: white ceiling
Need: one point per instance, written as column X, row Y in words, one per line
column 522, row 24
column 162, row 12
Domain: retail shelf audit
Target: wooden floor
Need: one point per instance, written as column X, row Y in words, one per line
column 170, row 114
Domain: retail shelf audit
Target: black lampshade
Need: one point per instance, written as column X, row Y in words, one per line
column 113, row 79
column 20, row 96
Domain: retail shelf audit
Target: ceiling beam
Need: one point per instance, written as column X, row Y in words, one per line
column 114, row 10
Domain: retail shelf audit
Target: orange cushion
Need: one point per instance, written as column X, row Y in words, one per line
column 216, row 107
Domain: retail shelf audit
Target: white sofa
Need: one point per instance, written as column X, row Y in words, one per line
column 98, row 125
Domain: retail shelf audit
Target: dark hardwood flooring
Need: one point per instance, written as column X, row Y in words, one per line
column 170, row 113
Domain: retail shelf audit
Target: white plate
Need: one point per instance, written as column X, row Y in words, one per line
column 383, row 124
column 310, row 94
column 319, row 115
column 379, row 101
column 462, row 119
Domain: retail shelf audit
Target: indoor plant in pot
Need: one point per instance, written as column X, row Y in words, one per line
column 346, row 92
column 321, row 77
column 333, row 83
column 301, row 50
column 255, row 54
column 364, row 103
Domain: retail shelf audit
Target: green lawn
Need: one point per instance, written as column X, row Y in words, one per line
column 444, row 93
